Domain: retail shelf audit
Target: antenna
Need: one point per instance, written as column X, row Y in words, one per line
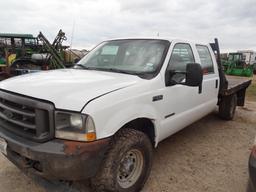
column 71, row 41
column 72, row 34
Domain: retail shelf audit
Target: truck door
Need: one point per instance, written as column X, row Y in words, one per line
column 183, row 105
column 210, row 86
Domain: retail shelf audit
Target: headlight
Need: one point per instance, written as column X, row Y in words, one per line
column 74, row 126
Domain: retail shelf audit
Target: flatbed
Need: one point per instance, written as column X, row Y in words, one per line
column 235, row 84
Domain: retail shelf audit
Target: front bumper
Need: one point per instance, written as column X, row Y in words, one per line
column 56, row 159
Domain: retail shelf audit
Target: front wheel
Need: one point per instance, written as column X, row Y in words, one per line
column 127, row 164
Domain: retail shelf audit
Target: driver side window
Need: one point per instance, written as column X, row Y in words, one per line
column 182, row 54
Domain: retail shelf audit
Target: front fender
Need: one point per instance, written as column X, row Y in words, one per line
column 109, row 117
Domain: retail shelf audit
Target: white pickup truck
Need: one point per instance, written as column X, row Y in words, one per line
column 102, row 118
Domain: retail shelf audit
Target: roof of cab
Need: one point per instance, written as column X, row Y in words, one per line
column 170, row 39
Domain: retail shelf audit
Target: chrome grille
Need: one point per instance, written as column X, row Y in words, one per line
column 26, row 117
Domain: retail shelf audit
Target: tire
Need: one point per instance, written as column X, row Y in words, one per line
column 227, row 107
column 249, row 187
column 130, row 153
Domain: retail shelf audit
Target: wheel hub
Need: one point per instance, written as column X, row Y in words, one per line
column 130, row 168
column 127, row 166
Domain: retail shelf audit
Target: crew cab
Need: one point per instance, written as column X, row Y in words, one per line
column 102, row 118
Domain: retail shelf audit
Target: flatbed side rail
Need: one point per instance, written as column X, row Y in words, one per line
column 236, row 88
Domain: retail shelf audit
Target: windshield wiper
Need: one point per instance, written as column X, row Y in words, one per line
column 81, row 65
column 111, row 70
column 118, row 71
column 85, row 67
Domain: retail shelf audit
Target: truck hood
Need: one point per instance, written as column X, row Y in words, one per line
column 68, row 89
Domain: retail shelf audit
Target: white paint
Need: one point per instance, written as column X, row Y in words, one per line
column 68, row 89
column 71, row 89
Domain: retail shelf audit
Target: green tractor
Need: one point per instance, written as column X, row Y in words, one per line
column 236, row 65
column 14, row 46
column 23, row 53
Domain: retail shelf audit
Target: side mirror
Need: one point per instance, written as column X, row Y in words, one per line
column 194, row 75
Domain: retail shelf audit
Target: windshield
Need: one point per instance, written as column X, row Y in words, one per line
column 129, row 56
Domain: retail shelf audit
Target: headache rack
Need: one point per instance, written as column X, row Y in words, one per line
column 26, row 117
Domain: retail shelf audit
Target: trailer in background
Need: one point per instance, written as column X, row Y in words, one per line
column 249, row 56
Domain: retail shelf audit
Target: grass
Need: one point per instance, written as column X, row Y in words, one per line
column 251, row 91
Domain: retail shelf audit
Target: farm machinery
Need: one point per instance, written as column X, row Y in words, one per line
column 23, row 53
column 236, row 64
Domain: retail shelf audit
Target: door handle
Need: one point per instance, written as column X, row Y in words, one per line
column 216, row 83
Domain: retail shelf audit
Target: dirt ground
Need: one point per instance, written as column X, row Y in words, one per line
column 209, row 156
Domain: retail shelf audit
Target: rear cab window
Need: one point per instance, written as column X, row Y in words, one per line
column 205, row 59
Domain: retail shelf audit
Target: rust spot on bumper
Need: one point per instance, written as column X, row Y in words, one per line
column 57, row 159
column 62, row 159
column 77, row 148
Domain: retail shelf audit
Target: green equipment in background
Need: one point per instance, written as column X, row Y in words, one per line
column 236, row 65
column 24, row 53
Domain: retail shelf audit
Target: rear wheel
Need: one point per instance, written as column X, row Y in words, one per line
column 227, row 107
column 249, row 186
column 127, row 165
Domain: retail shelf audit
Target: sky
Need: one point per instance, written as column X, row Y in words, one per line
column 88, row 22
